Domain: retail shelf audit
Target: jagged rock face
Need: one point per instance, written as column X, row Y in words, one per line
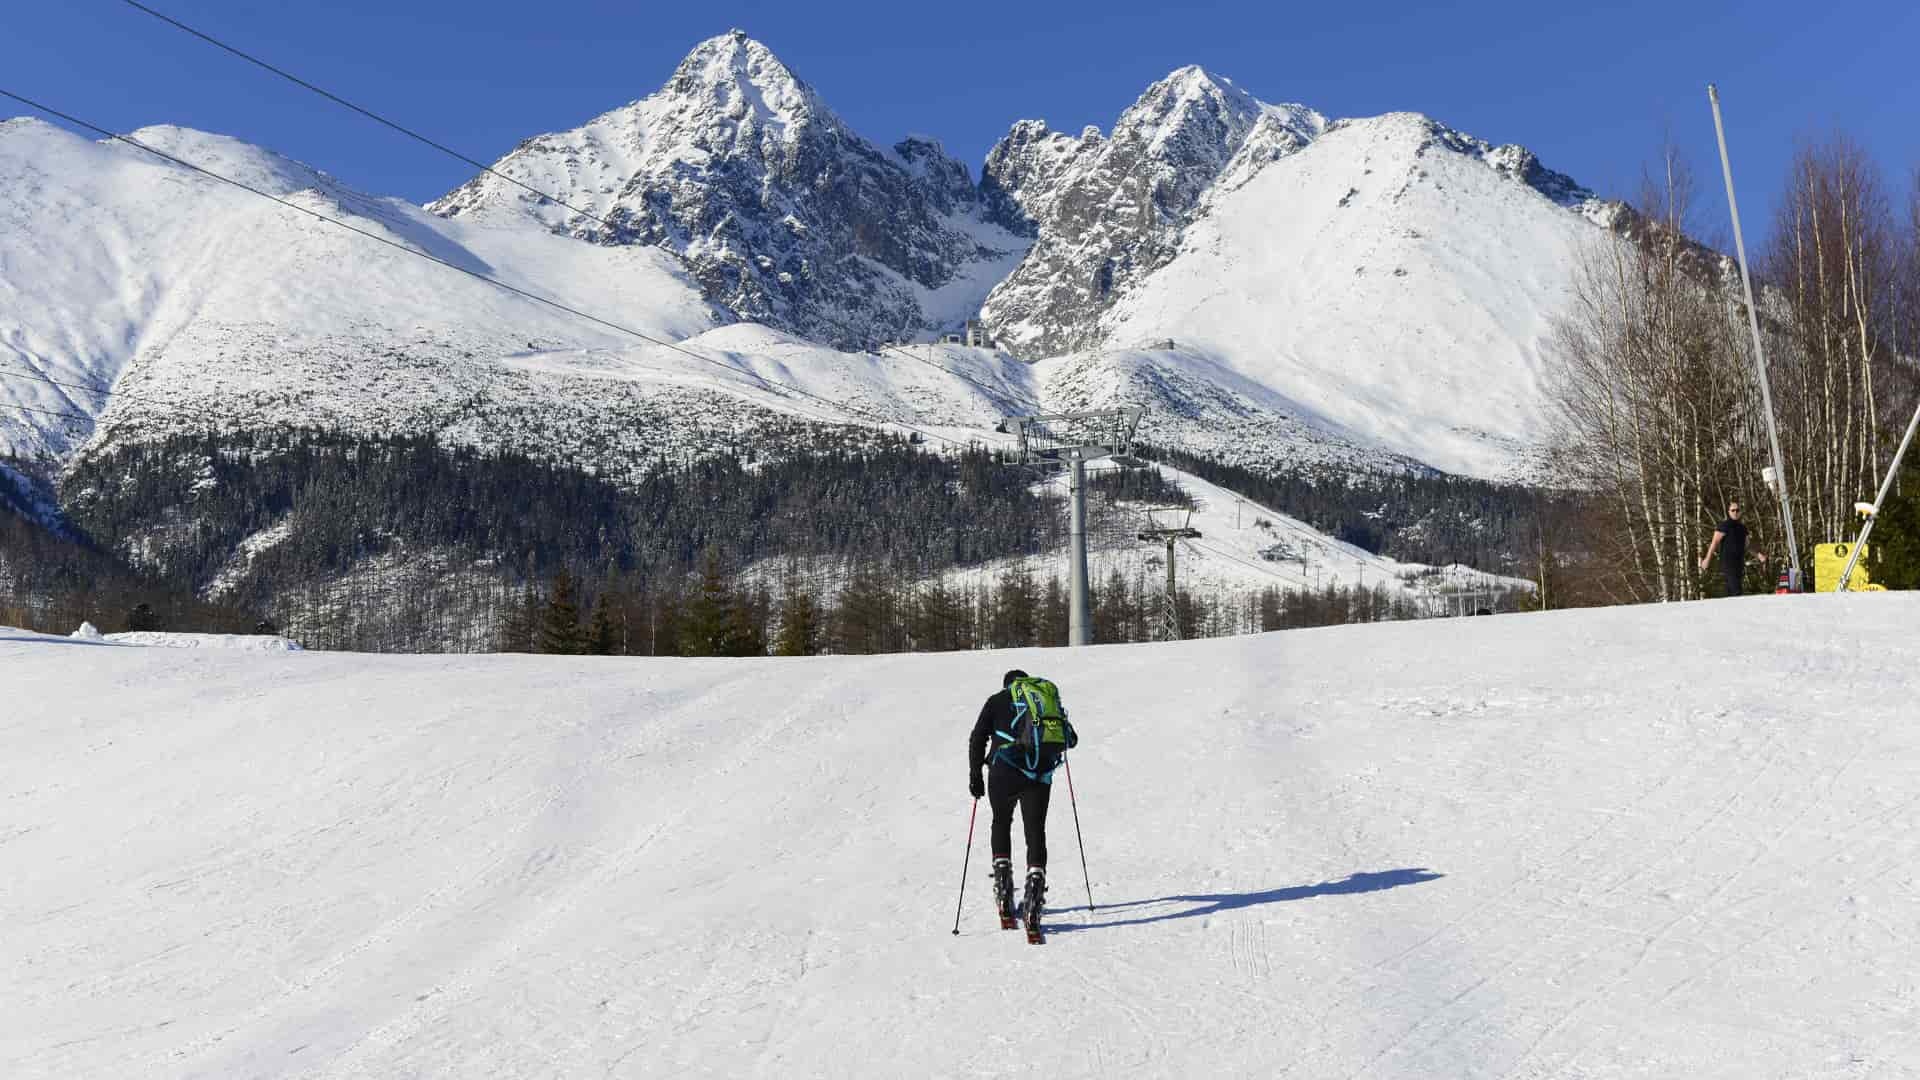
column 781, row 213
column 1107, row 211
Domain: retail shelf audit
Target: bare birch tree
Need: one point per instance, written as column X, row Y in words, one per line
column 1831, row 264
column 1654, row 411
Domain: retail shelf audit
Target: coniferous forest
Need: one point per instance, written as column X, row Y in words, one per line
column 407, row 544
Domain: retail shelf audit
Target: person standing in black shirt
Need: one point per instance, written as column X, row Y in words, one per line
column 1011, row 779
column 1731, row 539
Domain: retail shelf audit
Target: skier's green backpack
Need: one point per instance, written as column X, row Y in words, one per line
column 1039, row 733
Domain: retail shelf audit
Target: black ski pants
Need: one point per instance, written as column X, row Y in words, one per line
column 1735, row 573
column 1007, row 785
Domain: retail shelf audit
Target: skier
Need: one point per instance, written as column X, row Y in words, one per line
column 1731, row 539
column 1027, row 733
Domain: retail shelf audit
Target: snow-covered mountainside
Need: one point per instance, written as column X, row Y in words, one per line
column 202, row 305
column 782, row 213
column 1108, row 211
column 1393, row 277
column 1278, row 289
column 1245, row 547
column 1591, row 843
column 199, row 303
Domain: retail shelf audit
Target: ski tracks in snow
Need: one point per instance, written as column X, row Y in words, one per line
column 1643, row 863
column 603, row 869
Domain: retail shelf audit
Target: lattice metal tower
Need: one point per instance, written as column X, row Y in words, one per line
column 1165, row 528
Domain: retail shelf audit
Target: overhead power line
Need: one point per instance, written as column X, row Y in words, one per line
column 777, row 388
column 491, row 171
column 338, row 100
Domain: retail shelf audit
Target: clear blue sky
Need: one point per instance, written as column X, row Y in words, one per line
column 1591, row 89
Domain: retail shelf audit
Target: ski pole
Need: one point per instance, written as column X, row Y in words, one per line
column 964, row 863
column 1075, row 803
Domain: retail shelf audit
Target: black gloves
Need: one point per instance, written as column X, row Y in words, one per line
column 976, row 784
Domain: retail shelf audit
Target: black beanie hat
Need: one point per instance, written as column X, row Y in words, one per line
column 1007, row 679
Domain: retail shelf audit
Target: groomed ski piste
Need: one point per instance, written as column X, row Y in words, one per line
column 1675, row 841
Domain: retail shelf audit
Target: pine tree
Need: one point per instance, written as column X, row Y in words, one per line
column 602, row 634
column 940, row 619
column 560, row 623
column 799, row 622
column 707, row 627
column 1053, row 625
column 864, row 618
column 1110, row 609
column 746, row 626
column 1272, row 609
column 669, row 612
column 519, row 629
column 1015, row 610
column 1893, row 551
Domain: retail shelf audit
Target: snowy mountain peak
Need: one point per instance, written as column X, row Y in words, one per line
column 1107, row 212
column 1181, row 94
column 781, row 213
column 1512, row 161
column 742, row 77
column 1251, row 259
column 1193, row 105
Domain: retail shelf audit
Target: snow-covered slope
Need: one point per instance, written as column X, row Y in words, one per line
column 1243, row 548
column 1394, row 278
column 1596, row 844
column 1196, row 400
column 199, row 302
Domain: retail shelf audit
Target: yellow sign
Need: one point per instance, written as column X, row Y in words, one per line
column 1828, row 562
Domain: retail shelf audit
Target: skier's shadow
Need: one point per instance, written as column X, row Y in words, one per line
column 1215, row 903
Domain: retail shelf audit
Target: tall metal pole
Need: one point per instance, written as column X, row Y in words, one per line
column 1879, row 500
column 1759, row 357
column 1079, row 618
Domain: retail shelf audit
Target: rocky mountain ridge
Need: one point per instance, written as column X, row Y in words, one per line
column 785, row 216
column 734, row 217
column 781, row 213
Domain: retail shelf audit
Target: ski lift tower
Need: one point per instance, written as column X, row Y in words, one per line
column 1071, row 440
column 1170, row 528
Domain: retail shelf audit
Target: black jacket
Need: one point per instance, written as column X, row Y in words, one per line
column 997, row 715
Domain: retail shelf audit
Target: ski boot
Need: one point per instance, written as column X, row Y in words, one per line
column 1003, row 892
column 1033, row 903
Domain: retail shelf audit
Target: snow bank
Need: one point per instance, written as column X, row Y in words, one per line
column 167, row 640
column 1669, row 841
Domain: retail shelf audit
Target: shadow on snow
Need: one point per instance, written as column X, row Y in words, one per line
column 1215, row 903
